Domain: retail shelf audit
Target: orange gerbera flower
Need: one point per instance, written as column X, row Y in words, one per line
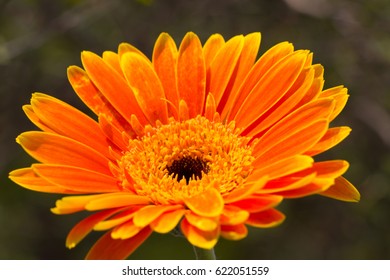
column 203, row 138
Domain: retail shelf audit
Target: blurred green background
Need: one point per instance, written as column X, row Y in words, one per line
column 39, row 39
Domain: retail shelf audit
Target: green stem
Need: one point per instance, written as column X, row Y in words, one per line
column 203, row 254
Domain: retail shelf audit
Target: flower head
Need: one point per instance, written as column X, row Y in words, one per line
column 201, row 138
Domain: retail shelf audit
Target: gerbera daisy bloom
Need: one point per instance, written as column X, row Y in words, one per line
column 202, row 139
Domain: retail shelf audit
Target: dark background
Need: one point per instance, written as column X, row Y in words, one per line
column 39, row 39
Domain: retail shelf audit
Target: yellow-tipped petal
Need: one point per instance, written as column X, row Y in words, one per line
column 149, row 213
column 213, row 44
column 265, row 219
column 118, row 219
column 282, row 168
column 84, row 227
column 116, row 200
column 164, row 58
column 233, row 215
column 77, row 179
column 199, row 238
column 59, row 150
column 271, row 88
column 234, row 232
column 167, row 221
column 342, row 190
column 202, row 223
column 126, row 230
column 245, row 63
column 191, row 74
column 207, row 204
column 245, row 191
column 265, row 62
column 258, row 203
column 146, row 86
column 112, row 85
column 331, row 138
column 222, row 67
column 69, row 122
column 107, row 248
column 28, row 179
column 93, row 98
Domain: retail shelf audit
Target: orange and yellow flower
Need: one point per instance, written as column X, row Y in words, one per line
column 202, row 137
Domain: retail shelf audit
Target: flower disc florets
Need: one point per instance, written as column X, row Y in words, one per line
column 180, row 159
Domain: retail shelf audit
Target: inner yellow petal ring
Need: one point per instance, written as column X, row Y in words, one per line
column 179, row 160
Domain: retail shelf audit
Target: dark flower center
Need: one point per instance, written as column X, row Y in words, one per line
column 188, row 168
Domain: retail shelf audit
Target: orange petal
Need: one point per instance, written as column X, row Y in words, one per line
column 167, row 221
column 93, row 98
column 245, row 191
column 113, row 86
column 28, row 179
column 164, row 62
column 316, row 87
column 116, row 200
column 342, row 190
column 84, row 227
column 265, row 219
column 245, row 62
column 285, row 105
column 191, row 74
column 199, row 238
column 270, row 88
column 202, row 223
column 287, row 183
column 265, row 62
column 289, row 145
column 341, row 99
column 210, row 108
column 330, row 168
column 258, row 203
column 146, row 86
column 213, row 44
column 125, row 48
column 311, row 112
column 319, row 70
column 112, row 132
column 325, row 174
column 207, row 204
column 125, row 215
column 333, row 91
column 72, row 204
column 112, row 59
column 222, row 67
column 29, row 111
column 234, row 232
column 107, row 248
column 51, row 148
column 184, row 113
column 233, row 215
column 70, row 122
column 125, row 230
column 312, row 188
column 77, row 179
column 331, row 138
column 281, row 168
column 149, row 213
column 137, row 127
column 310, row 181
column 339, row 94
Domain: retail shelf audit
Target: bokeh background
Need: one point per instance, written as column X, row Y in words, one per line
column 351, row 38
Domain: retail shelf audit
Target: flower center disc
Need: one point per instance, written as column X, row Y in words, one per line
column 189, row 168
column 178, row 160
